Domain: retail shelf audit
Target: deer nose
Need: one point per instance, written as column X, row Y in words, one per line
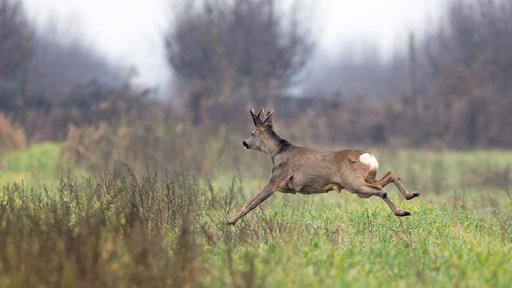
column 245, row 144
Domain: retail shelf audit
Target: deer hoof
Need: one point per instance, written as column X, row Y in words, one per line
column 402, row 213
column 413, row 195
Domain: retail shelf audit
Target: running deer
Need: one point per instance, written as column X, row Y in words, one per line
column 309, row 171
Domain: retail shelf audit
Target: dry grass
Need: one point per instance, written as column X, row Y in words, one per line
column 12, row 136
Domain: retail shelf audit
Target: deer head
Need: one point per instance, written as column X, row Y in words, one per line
column 263, row 138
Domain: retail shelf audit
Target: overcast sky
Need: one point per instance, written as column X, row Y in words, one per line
column 129, row 32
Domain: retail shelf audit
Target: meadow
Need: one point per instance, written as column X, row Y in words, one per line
column 108, row 179
column 124, row 228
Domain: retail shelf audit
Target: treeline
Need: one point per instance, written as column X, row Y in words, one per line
column 48, row 80
column 454, row 84
column 451, row 89
column 467, row 73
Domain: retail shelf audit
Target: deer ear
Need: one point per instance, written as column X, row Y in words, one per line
column 256, row 119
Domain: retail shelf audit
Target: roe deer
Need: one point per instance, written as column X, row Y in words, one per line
column 309, row 171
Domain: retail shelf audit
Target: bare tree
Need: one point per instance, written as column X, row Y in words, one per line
column 15, row 54
column 14, row 37
column 41, row 76
column 248, row 44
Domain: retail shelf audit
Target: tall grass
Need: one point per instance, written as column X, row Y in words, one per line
column 120, row 230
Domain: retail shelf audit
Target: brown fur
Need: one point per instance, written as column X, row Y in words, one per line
column 310, row 171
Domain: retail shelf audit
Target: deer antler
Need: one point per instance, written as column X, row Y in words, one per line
column 268, row 114
column 259, row 112
column 262, row 111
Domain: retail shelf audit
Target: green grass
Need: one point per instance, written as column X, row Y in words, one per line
column 39, row 165
column 117, row 230
column 36, row 165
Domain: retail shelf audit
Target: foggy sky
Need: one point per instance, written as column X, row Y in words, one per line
column 129, row 32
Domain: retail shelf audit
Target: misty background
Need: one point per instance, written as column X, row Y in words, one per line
column 134, row 77
column 343, row 25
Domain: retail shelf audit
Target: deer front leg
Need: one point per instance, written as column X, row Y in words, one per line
column 253, row 203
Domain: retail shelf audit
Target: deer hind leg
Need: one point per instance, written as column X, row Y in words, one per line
column 396, row 211
column 391, row 177
column 367, row 190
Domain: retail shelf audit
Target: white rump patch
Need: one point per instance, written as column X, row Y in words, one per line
column 369, row 160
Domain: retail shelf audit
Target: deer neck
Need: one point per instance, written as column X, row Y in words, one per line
column 275, row 145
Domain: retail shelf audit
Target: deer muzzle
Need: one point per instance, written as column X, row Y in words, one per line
column 245, row 144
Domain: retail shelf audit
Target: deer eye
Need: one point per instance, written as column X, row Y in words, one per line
column 252, row 133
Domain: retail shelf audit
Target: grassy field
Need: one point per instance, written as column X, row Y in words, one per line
column 161, row 228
